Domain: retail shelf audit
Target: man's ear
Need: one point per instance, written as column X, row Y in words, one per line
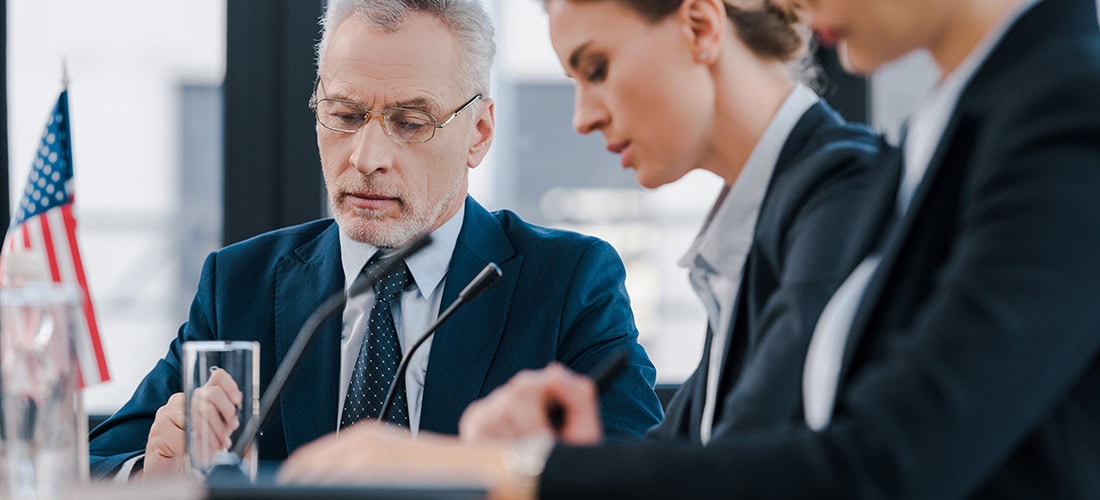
column 481, row 137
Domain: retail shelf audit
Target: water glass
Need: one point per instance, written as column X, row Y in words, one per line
column 45, row 436
column 221, row 384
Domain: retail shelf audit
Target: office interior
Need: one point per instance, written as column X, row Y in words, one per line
column 191, row 131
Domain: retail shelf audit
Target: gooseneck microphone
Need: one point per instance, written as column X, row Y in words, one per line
column 488, row 276
column 309, row 328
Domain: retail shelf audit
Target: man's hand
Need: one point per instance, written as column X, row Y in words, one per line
column 522, row 407
column 214, row 418
column 164, row 450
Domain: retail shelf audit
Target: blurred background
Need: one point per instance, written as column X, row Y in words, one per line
column 190, row 131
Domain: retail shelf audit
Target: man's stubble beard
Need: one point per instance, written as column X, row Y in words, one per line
column 397, row 232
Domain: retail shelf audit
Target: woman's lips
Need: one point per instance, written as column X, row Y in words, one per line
column 621, row 148
column 828, row 37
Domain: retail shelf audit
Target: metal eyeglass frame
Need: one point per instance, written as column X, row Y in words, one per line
column 314, row 101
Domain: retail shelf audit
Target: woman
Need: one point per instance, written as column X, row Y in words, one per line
column 678, row 85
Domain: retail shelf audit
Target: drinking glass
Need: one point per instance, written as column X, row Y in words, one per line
column 221, row 393
column 45, row 428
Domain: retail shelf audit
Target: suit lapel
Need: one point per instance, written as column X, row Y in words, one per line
column 463, row 348
column 309, row 399
column 893, row 235
column 1065, row 16
column 737, row 343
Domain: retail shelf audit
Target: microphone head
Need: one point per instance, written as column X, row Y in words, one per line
column 484, row 279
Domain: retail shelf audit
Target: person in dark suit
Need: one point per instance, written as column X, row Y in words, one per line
column 773, row 248
column 960, row 358
column 413, row 66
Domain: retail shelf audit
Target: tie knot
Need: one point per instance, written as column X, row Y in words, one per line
column 392, row 283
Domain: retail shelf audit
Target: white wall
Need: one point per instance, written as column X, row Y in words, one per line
column 126, row 60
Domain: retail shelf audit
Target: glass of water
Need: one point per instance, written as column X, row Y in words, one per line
column 221, row 384
column 45, row 436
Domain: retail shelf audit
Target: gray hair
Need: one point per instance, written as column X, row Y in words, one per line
column 467, row 19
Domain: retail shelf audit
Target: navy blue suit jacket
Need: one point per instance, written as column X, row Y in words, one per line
column 562, row 298
column 973, row 364
column 800, row 254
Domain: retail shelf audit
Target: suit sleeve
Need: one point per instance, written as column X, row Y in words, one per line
column 677, row 425
column 125, row 434
column 1006, row 333
column 596, row 322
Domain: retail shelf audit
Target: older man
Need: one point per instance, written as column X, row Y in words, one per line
column 403, row 113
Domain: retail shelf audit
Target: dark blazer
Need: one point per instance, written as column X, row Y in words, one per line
column 972, row 369
column 562, row 298
column 799, row 255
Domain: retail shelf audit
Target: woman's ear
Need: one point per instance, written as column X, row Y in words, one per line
column 704, row 22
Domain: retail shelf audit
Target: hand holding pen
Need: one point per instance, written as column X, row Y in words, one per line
column 553, row 399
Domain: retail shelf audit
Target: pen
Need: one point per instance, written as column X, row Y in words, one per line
column 602, row 376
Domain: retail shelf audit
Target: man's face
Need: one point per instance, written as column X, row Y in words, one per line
column 382, row 191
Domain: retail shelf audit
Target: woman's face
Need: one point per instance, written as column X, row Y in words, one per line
column 870, row 33
column 637, row 83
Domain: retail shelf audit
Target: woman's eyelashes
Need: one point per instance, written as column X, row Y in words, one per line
column 595, row 68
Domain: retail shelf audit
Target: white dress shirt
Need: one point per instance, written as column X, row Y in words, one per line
column 717, row 256
column 926, row 127
column 418, row 307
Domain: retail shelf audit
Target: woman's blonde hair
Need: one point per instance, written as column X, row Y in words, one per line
column 769, row 31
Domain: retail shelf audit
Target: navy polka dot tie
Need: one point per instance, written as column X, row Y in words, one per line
column 379, row 356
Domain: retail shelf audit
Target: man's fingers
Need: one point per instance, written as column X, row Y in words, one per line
column 577, row 398
column 165, row 447
column 220, row 378
column 214, row 404
column 214, row 418
column 173, row 411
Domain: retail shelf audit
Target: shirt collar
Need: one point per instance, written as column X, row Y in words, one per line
column 428, row 266
column 728, row 231
column 928, row 121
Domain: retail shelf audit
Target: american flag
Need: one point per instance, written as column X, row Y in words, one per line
column 44, row 227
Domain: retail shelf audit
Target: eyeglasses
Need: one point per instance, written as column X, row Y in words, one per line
column 403, row 124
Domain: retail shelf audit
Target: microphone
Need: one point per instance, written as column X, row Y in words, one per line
column 301, row 340
column 488, row 276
